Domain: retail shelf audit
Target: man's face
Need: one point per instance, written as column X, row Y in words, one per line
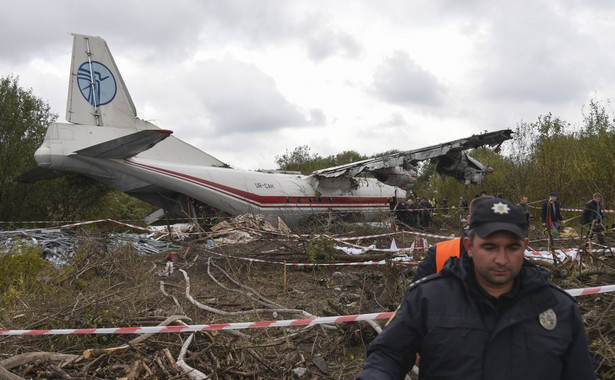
column 598, row 199
column 553, row 198
column 497, row 260
column 524, row 200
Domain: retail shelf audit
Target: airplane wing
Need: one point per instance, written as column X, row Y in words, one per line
column 126, row 146
column 396, row 169
column 39, row 173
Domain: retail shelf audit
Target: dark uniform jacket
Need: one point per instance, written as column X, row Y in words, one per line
column 590, row 212
column 555, row 214
column 460, row 332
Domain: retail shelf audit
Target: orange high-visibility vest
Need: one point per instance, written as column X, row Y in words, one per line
column 446, row 249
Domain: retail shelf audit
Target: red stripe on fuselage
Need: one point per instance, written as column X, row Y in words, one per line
column 275, row 201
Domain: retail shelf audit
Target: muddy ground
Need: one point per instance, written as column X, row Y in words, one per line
column 119, row 288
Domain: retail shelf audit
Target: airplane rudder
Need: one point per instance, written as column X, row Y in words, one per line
column 95, row 84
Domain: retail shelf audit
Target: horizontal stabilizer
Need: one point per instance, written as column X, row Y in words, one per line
column 39, row 174
column 126, row 146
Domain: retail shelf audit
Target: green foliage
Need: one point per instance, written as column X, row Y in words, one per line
column 77, row 197
column 301, row 159
column 23, row 121
column 20, row 272
column 320, row 249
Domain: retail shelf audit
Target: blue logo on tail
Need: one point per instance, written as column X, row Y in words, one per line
column 99, row 87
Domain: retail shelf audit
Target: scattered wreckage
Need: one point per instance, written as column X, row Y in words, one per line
column 58, row 244
column 215, row 284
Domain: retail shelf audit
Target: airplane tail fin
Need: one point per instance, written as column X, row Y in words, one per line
column 97, row 94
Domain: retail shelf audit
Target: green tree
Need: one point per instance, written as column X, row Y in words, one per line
column 23, row 122
column 300, row 159
column 549, row 150
column 592, row 154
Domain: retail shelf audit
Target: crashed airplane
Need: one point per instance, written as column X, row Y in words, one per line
column 104, row 140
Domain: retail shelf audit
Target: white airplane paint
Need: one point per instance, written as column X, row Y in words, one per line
column 106, row 141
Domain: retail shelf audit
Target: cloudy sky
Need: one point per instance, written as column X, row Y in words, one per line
column 247, row 80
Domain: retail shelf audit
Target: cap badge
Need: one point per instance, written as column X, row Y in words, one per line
column 500, row 208
column 548, row 319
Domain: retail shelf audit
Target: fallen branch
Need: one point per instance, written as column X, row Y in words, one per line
column 22, row 359
column 5, row 374
column 223, row 312
column 189, row 371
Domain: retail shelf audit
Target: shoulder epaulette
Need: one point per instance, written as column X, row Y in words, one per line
column 427, row 278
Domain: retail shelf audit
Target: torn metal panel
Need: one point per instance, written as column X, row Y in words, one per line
column 58, row 245
column 356, row 168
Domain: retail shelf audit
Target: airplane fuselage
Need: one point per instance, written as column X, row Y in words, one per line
column 289, row 196
column 165, row 171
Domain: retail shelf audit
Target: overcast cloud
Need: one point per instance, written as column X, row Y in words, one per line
column 247, row 80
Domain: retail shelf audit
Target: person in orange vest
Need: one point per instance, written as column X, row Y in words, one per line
column 438, row 254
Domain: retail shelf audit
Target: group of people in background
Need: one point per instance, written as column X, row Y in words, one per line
column 413, row 213
column 591, row 216
column 417, row 213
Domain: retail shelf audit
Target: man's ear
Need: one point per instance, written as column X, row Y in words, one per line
column 467, row 244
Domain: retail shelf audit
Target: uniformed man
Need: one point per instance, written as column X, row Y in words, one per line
column 592, row 217
column 488, row 315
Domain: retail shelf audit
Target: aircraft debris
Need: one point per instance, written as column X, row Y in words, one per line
column 58, row 245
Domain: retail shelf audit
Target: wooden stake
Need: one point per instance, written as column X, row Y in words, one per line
column 284, row 276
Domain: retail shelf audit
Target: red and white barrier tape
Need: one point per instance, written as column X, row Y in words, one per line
column 106, row 220
column 83, row 223
column 354, row 263
column 249, row 325
column 581, row 210
column 548, row 255
column 350, row 238
column 193, row 328
column 590, row 291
